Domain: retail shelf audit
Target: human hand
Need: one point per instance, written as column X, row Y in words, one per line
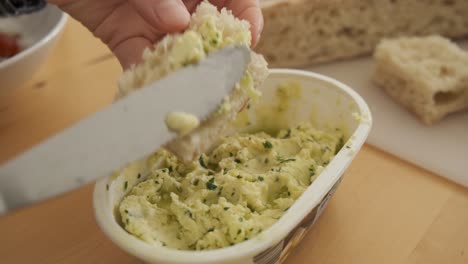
column 130, row 26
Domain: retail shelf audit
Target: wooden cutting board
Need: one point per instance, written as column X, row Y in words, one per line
column 441, row 148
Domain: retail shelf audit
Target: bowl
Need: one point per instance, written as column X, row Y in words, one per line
column 326, row 103
column 38, row 32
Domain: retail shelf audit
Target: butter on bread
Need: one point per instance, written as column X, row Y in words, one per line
column 209, row 30
column 427, row 75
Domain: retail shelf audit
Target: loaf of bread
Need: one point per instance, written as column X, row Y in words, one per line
column 298, row 33
column 427, row 75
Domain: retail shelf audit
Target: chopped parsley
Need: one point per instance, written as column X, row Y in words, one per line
column 281, row 160
column 139, row 176
column 211, row 185
column 267, row 144
column 339, row 145
column 311, row 171
column 260, row 178
column 189, row 213
column 202, row 162
column 125, row 185
column 195, row 182
column 210, row 230
column 226, row 208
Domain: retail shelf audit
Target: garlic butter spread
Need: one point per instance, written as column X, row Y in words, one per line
column 181, row 122
column 239, row 189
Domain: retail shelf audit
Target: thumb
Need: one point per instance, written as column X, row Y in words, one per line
column 166, row 16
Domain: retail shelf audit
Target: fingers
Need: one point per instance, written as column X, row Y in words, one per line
column 164, row 15
column 129, row 52
column 248, row 10
column 127, row 34
column 191, row 5
column 174, row 15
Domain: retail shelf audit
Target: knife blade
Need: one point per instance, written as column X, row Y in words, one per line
column 128, row 130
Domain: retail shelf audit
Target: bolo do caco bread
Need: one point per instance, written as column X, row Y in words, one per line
column 427, row 75
column 299, row 33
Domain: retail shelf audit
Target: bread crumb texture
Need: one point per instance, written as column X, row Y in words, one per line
column 209, row 30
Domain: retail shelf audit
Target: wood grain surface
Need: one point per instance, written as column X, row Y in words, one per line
column 385, row 211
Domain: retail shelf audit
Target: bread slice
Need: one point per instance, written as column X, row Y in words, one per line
column 427, row 75
column 299, row 33
column 209, row 30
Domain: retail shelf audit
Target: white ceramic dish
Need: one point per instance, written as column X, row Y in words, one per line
column 38, row 32
column 329, row 104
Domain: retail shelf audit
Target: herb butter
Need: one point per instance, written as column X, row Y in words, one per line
column 239, row 189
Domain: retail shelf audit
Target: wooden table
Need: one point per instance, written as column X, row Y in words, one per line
column 386, row 211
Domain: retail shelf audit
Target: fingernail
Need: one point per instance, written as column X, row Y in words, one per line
column 257, row 39
column 173, row 14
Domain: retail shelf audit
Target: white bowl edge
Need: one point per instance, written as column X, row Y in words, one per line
column 39, row 44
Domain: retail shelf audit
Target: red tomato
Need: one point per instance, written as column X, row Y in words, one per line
column 8, row 45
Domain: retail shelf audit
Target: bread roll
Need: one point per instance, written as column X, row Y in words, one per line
column 427, row 75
